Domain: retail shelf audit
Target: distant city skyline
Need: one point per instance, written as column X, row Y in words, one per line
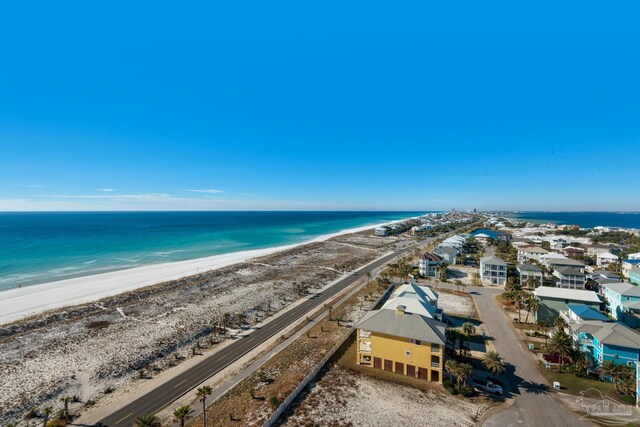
column 298, row 107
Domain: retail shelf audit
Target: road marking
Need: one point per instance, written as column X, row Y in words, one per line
column 180, row 383
column 122, row 419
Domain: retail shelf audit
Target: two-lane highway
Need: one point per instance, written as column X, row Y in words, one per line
column 166, row 393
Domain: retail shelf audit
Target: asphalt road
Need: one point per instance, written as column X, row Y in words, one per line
column 166, row 393
column 533, row 405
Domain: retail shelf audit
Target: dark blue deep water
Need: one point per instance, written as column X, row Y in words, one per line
column 584, row 219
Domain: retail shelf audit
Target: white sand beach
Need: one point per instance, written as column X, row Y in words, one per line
column 19, row 303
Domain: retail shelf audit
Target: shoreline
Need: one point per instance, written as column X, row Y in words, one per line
column 19, row 303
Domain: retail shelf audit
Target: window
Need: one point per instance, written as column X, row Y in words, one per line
column 407, row 353
column 435, row 347
column 629, row 363
column 416, row 342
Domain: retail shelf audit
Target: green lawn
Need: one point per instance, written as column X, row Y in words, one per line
column 573, row 384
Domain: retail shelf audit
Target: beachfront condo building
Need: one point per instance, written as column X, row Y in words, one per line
column 405, row 343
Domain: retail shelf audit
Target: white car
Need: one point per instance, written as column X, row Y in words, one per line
column 487, row 386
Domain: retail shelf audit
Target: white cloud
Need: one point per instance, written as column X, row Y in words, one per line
column 108, row 190
column 205, row 190
column 29, row 186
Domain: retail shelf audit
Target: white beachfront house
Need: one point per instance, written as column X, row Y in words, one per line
column 529, row 252
column 605, row 259
column 493, row 270
column 429, row 265
column 382, row 231
column 482, row 238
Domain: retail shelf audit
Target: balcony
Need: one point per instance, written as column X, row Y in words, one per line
column 435, row 364
column 364, row 346
column 364, row 334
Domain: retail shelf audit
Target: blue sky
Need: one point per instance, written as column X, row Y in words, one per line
column 273, row 105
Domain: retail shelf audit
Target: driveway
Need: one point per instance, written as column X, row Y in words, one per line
column 533, row 405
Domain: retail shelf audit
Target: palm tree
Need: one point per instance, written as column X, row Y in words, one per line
column 241, row 318
column 463, row 372
column 532, row 305
column 451, row 366
column 225, row 321
column 608, row 369
column 148, row 420
column 454, row 335
column 581, row 364
column 182, row 414
column 66, row 400
column 545, row 330
column 468, row 328
column 202, row 394
column 560, row 323
column 45, row 415
column 494, row 363
column 562, row 344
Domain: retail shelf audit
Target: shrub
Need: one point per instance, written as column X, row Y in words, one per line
column 631, row 400
column 466, row 391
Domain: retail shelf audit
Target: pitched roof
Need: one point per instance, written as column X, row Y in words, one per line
column 570, row 294
column 406, row 325
column 411, row 305
column 618, row 334
column 528, row 267
column 565, row 261
column 624, row 288
column 492, row 260
column 553, row 255
column 587, row 313
column 568, row 271
column 411, row 290
column 607, row 255
column 446, row 250
column 534, row 249
column 431, row 257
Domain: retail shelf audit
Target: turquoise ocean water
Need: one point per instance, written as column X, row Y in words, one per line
column 47, row 246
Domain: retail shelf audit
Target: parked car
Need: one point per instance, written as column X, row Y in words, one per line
column 487, row 386
column 555, row 358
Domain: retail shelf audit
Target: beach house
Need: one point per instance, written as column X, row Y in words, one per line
column 416, row 299
column 569, row 278
column 599, row 338
column 402, row 342
column 582, row 322
column 556, row 263
column 572, row 251
column 382, row 231
column 605, row 259
column 634, row 275
column 618, row 343
column 554, row 300
column 623, row 302
column 559, row 243
column 493, row 270
column 530, row 272
column 447, row 253
column 629, row 264
column 429, row 264
column 530, row 252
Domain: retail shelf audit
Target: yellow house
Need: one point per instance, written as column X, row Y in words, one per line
column 405, row 343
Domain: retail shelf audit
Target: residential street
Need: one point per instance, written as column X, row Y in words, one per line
column 533, row 404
